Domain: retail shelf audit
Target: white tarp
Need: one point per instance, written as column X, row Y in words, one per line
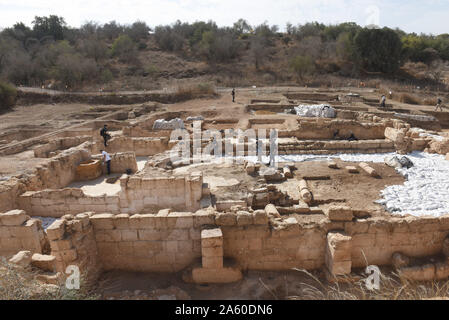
column 315, row 111
column 425, row 191
column 173, row 124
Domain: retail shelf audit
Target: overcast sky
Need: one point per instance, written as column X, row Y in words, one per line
column 428, row 16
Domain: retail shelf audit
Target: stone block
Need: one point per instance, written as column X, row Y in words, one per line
column 339, row 213
column 43, row 262
column 13, row 218
column 102, row 221
column 226, row 219
column 212, row 262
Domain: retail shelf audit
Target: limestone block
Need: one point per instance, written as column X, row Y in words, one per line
column 211, row 238
column 13, row 218
column 203, row 217
column 244, row 218
column 287, row 172
column 102, row 221
column 44, row 262
column 332, row 165
column 352, row 169
column 129, row 235
column 214, row 262
column 304, row 191
column 212, row 251
column 271, row 210
column 56, row 230
column 22, row 258
column 260, row 217
column 226, row 219
column 368, row 169
column 184, row 220
column 339, row 213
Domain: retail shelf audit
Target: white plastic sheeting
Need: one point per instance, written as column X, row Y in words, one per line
column 425, row 191
column 316, row 111
column 173, row 124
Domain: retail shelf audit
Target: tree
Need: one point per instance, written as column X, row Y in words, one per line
column 8, row 95
column 124, row 48
column 378, row 49
column 49, row 26
column 242, row 26
column 138, row 30
column 302, row 66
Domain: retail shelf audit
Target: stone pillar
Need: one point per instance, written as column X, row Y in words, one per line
column 214, row 268
column 338, row 254
column 212, row 248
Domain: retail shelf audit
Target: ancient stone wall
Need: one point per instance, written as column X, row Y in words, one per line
column 140, row 146
column 72, row 243
column 137, row 194
column 171, row 241
column 58, row 172
column 46, row 150
column 19, row 232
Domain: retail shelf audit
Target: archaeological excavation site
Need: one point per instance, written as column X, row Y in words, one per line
column 329, row 185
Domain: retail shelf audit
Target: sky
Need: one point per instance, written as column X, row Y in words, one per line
column 425, row 16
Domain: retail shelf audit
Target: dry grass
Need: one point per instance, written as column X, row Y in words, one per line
column 392, row 287
column 189, row 91
column 409, row 99
column 17, row 283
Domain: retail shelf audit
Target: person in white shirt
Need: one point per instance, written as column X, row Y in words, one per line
column 107, row 160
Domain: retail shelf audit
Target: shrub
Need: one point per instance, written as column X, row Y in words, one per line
column 409, row 98
column 8, row 96
column 196, row 90
column 124, row 48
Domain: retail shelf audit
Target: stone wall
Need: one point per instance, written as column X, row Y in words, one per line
column 120, row 162
column 58, row 172
column 322, row 129
column 46, row 150
column 72, row 243
column 137, row 194
column 171, row 241
column 140, row 146
column 19, row 232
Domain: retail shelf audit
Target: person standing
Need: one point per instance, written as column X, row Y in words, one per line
column 233, row 94
column 105, row 135
column 438, row 106
column 107, row 160
column 382, row 101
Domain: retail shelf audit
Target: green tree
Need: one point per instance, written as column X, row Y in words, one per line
column 124, row 48
column 8, row 96
column 378, row 49
column 49, row 26
column 302, row 66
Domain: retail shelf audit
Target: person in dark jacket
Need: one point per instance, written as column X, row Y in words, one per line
column 104, row 133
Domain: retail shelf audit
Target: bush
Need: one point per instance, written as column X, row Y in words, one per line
column 196, row 90
column 8, row 96
column 302, row 66
column 124, row 48
column 409, row 98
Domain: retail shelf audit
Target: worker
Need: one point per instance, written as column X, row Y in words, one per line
column 233, row 95
column 107, row 160
column 382, row 101
column 439, row 106
column 105, row 135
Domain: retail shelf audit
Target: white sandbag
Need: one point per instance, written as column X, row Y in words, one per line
column 316, row 111
column 173, row 124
